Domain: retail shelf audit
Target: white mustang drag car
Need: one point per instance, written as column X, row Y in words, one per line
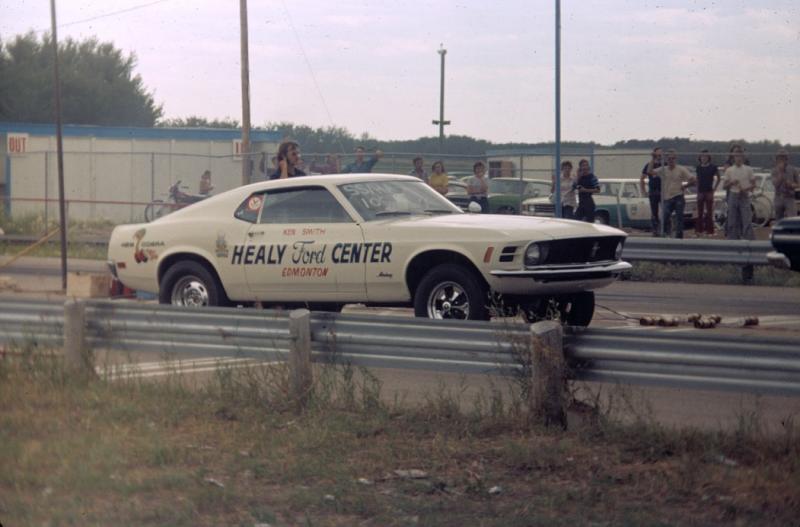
column 378, row 239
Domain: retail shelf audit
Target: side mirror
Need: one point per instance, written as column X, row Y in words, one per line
column 474, row 207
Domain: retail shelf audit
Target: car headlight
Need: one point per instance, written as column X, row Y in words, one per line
column 535, row 254
column 618, row 251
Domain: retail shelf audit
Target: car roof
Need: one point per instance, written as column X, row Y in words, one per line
column 333, row 179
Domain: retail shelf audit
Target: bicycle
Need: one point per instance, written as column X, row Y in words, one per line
column 761, row 208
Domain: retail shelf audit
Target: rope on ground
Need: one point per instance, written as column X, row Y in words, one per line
column 623, row 315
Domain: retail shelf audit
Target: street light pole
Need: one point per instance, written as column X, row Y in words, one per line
column 557, row 171
column 62, row 212
column 441, row 122
column 245, row 57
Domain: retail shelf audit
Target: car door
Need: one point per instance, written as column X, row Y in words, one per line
column 294, row 251
column 636, row 206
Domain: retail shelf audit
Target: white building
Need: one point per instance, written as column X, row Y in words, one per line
column 113, row 172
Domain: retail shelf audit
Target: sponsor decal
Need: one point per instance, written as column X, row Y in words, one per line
column 142, row 252
column 306, row 231
column 221, row 246
column 254, row 203
column 385, row 275
column 305, row 253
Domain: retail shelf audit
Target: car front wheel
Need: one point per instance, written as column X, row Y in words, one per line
column 451, row 291
column 190, row 284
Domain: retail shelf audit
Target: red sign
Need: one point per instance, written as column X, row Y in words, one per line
column 16, row 144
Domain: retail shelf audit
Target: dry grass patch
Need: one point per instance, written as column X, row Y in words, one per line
column 95, row 452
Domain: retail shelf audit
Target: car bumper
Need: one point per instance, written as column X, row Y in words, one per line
column 557, row 279
column 779, row 260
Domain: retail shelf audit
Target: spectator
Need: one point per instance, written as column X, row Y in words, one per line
column 739, row 181
column 360, row 165
column 674, row 180
column 786, row 180
column 653, row 191
column 419, row 170
column 586, row 185
column 707, row 182
column 439, row 178
column 568, row 201
column 331, row 165
column 478, row 187
column 205, row 183
column 288, row 160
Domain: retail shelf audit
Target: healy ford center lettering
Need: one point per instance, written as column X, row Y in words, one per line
column 302, row 253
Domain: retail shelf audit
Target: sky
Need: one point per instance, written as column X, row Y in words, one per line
column 630, row 69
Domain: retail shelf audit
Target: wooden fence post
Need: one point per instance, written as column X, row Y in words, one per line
column 300, row 374
column 547, row 404
column 76, row 353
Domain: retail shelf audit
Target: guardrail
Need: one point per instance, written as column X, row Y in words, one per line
column 738, row 252
column 700, row 360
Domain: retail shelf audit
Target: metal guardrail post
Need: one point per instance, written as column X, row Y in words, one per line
column 76, row 353
column 547, row 403
column 300, row 373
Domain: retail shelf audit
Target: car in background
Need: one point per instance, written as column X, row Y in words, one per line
column 377, row 239
column 505, row 194
column 785, row 240
column 620, row 203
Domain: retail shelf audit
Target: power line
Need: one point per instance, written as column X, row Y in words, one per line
column 106, row 15
column 311, row 71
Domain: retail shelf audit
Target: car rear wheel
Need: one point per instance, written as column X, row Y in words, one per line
column 451, row 291
column 191, row 284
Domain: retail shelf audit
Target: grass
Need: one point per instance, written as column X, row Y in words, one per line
column 231, row 452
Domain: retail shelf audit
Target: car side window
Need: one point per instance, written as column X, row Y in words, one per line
column 250, row 208
column 630, row 190
column 303, row 205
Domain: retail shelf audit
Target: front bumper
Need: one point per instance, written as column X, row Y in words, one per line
column 779, row 260
column 549, row 273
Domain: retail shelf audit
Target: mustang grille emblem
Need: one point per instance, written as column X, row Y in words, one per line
column 595, row 248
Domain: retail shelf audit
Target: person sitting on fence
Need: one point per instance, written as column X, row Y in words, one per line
column 478, row 187
column 439, row 178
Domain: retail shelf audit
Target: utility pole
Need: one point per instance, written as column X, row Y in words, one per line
column 245, row 92
column 558, row 112
column 441, row 122
column 62, row 209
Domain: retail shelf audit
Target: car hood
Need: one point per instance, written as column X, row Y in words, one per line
column 504, row 224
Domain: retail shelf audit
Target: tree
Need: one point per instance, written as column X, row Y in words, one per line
column 98, row 85
column 195, row 121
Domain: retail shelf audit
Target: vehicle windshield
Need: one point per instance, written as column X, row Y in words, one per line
column 514, row 186
column 381, row 199
column 609, row 189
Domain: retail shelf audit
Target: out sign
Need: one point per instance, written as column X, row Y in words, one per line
column 238, row 148
column 17, row 144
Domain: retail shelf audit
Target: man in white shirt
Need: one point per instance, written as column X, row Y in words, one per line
column 674, row 180
column 739, row 181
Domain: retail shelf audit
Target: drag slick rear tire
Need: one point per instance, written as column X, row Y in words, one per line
column 191, row 284
column 451, row 291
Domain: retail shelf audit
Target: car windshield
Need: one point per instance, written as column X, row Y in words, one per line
column 514, row 186
column 505, row 186
column 380, row 199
